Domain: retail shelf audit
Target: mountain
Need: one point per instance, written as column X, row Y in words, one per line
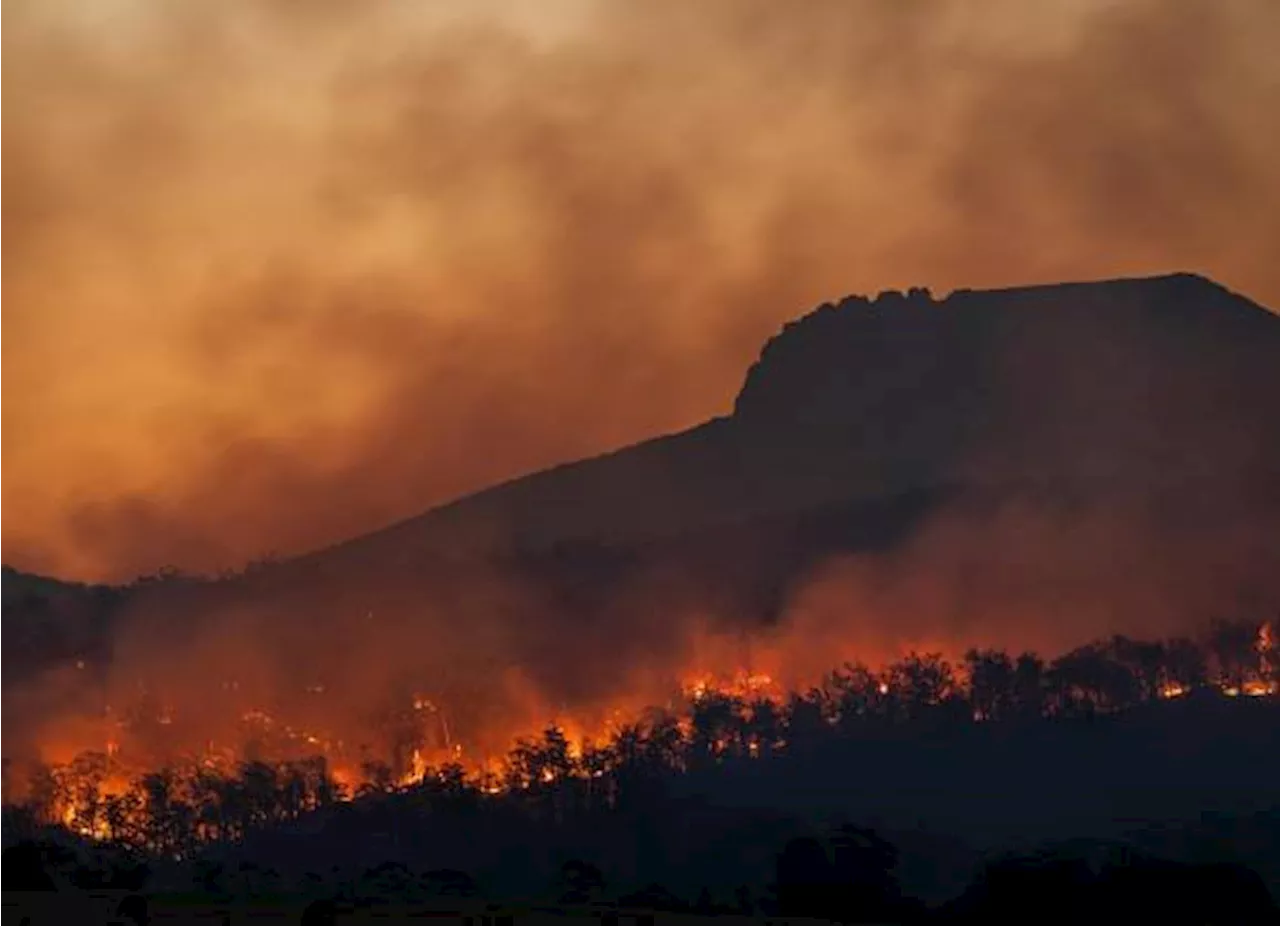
column 1090, row 452
column 863, row 417
column 1071, row 386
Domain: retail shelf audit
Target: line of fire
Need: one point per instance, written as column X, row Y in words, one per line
column 138, row 785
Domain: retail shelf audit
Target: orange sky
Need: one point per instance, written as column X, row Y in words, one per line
column 281, row 273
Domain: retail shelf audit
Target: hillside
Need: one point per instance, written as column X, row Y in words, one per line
column 1029, row 466
column 872, row 414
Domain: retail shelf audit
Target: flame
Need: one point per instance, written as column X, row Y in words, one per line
column 742, row 684
column 417, row 769
column 1258, row 689
column 429, row 748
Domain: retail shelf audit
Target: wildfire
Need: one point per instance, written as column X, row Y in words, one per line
column 1258, row 689
column 103, row 791
column 743, row 684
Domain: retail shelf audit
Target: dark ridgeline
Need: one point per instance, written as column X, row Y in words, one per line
column 1084, row 384
column 860, row 426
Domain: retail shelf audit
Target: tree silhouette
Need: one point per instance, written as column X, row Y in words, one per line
column 918, row 684
column 629, row 764
column 717, row 721
column 664, row 742
column 1233, row 647
column 83, row 790
column 806, row 721
column 1029, row 687
column 1087, row 680
column 805, row 880
column 1145, row 661
column 170, row 820
column 858, row 695
column 120, row 816
column 764, row 727
column 260, row 787
column 543, row 771
column 596, row 763
column 42, row 797
column 991, row 684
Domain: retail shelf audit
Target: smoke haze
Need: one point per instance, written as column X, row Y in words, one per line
column 282, row 273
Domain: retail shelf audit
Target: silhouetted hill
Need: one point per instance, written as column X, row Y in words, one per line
column 871, row 415
column 1086, row 386
column 47, row 620
column 17, row 586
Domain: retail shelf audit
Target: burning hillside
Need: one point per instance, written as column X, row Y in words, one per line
column 1018, row 469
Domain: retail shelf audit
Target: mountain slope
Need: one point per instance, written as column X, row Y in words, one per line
column 1088, row 387
column 1026, row 467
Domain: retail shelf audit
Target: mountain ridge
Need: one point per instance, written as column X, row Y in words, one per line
column 1027, row 478
column 478, row 522
column 720, row 439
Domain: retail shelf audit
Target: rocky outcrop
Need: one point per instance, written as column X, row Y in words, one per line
column 1145, row 378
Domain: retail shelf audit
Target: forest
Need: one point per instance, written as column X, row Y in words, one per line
column 920, row 789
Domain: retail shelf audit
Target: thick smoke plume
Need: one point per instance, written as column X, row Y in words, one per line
column 281, row 273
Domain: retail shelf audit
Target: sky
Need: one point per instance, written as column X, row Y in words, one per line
column 277, row 274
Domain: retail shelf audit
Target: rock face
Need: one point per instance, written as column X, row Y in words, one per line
column 1144, row 379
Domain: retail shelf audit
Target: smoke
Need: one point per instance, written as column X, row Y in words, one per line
column 282, row 273
column 489, row 657
column 1027, row 576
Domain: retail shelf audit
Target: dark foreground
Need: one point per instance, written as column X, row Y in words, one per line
column 831, row 880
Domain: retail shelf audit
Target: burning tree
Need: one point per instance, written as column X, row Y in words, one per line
column 173, row 806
